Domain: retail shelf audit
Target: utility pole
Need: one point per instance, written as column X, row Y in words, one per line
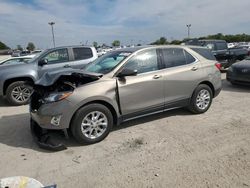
column 188, row 26
column 52, row 30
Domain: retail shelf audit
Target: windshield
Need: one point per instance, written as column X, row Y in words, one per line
column 107, row 63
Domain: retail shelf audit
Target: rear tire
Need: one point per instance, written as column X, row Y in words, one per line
column 201, row 99
column 92, row 123
column 18, row 93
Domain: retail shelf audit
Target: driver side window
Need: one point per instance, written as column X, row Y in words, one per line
column 143, row 62
column 57, row 56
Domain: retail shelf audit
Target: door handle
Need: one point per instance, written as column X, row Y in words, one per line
column 66, row 66
column 156, row 76
column 194, row 68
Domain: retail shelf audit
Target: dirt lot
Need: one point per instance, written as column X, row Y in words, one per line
column 172, row 149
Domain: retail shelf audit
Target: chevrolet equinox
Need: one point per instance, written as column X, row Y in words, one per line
column 122, row 85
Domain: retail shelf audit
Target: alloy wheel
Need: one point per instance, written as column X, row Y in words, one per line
column 21, row 93
column 94, row 124
column 203, row 99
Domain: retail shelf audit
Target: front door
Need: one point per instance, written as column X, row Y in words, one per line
column 56, row 59
column 143, row 93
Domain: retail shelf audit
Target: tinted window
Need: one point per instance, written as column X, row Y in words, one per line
column 82, row 53
column 145, row 61
column 221, row 46
column 189, row 57
column 173, row 57
column 57, row 56
column 206, row 53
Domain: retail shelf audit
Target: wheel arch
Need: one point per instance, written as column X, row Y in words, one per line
column 210, row 85
column 12, row 80
column 104, row 103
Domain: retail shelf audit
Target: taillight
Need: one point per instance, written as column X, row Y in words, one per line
column 218, row 65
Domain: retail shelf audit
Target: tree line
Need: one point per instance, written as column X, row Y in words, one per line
column 30, row 46
column 228, row 38
column 161, row 41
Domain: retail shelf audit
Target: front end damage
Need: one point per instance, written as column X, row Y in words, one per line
column 50, row 90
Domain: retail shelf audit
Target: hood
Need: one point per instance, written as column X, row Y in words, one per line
column 242, row 64
column 19, row 64
column 50, row 78
column 12, row 68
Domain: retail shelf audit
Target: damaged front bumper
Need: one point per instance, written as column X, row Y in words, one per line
column 52, row 116
column 43, row 139
column 56, row 113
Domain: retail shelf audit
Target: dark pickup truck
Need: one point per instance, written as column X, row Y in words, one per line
column 226, row 56
column 16, row 80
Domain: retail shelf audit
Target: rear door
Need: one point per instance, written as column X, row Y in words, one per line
column 182, row 75
column 82, row 56
column 143, row 93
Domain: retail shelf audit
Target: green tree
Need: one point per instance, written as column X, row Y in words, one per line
column 19, row 47
column 31, row 46
column 229, row 38
column 160, row 41
column 3, row 46
column 95, row 44
column 116, row 43
column 176, row 42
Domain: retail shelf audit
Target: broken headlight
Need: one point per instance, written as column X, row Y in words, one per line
column 54, row 97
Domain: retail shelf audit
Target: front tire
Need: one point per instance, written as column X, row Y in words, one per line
column 201, row 99
column 18, row 93
column 92, row 123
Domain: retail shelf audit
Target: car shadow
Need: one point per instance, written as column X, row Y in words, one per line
column 150, row 118
column 15, row 130
column 4, row 102
column 227, row 86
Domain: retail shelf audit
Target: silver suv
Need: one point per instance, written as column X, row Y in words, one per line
column 124, row 85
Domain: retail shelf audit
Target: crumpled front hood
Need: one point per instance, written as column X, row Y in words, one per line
column 50, row 78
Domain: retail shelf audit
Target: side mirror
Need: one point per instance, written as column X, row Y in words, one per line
column 126, row 72
column 42, row 62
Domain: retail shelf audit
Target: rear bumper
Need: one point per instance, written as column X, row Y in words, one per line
column 217, row 92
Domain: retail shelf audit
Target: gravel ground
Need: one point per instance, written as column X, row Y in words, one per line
column 172, row 149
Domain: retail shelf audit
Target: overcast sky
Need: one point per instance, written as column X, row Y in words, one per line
column 136, row 21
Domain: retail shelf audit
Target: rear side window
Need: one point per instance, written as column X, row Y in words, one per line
column 221, row 46
column 82, row 53
column 189, row 57
column 206, row 53
column 173, row 57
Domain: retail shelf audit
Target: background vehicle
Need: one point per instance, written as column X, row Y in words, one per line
column 123, row 85
column 17, row 60
column 102, row 51
column 36, row 51
column 16, row 53
column 239, row 73
column 16, row 82
column 226, row 56
column 247, row 47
